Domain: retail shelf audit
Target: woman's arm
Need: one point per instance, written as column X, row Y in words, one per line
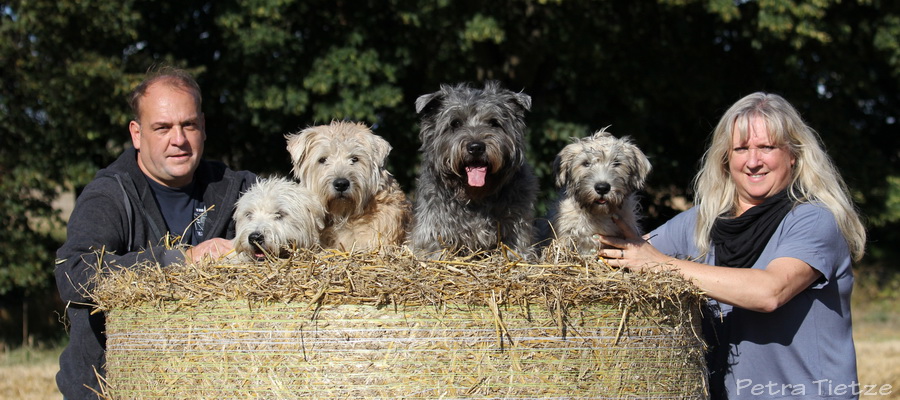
column 753, row 289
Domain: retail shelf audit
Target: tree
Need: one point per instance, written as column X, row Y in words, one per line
column 61, row 80
column 660, row 71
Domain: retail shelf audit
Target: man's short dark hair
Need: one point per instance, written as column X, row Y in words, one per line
column 169, row 75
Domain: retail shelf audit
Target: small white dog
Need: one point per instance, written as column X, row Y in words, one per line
column 599, row 176
column 274, row 216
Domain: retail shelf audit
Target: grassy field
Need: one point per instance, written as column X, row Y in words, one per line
column 876, row 331
column 28, row 373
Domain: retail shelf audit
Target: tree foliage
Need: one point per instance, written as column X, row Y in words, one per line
column 660, row 71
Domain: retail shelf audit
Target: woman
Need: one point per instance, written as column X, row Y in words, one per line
column 770, row 239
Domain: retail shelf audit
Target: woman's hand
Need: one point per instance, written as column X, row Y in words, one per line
column 630, row 251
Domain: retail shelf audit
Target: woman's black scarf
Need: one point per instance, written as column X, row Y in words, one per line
column 739, row 241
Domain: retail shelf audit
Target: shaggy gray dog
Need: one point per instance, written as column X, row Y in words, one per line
column 599, row 176
column 475, row 189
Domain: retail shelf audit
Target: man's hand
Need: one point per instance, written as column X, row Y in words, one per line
column 214, row 248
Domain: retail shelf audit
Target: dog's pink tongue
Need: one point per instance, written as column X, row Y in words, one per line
column 476, row 176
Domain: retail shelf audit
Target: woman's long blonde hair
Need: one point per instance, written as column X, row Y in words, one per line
column 814, row 178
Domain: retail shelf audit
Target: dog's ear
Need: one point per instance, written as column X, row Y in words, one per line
column 381, row 148
column 561, row 167
column 642, row 166
column 523, row 100
column 298, row 147
column 518, row 99
column 426, row 103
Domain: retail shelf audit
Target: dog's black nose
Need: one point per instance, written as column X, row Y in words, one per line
column 256, row 237
column 476, row 148
column 602, row 188
column 341, row 184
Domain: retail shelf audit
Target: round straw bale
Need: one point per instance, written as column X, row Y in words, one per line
column 386, row 324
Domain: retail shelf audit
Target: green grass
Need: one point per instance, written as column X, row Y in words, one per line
column 875, row 298
column 30, row 355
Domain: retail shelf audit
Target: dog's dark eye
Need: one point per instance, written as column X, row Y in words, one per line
column 494, row 123
column 249, row 216
column 455, row 124
column 322, row 160
column 279, row 215
column 354, row 160
column 586, row 163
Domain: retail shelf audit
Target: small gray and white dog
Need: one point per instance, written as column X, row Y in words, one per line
column 599, row 177
column 274, row 216
column 475, row 189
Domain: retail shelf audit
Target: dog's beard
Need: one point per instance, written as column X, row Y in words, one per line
column 262, row 247
column 601, row 207
column 341, row 206
column 475, row 178
column 257, row 250
column 480, row 181
column 598, row 204
column 475, row 182
column 477, row 170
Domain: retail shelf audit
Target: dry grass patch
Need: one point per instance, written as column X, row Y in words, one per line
column 876, row 329
column 29, row 374
column 879, row 366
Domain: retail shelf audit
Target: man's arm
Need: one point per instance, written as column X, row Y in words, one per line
column 98, row 236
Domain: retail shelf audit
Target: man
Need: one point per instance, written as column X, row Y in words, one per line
column 159, row 202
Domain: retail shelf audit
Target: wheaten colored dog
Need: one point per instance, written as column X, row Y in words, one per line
column 274, row 216
column 344, row 165
column 599, row 176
